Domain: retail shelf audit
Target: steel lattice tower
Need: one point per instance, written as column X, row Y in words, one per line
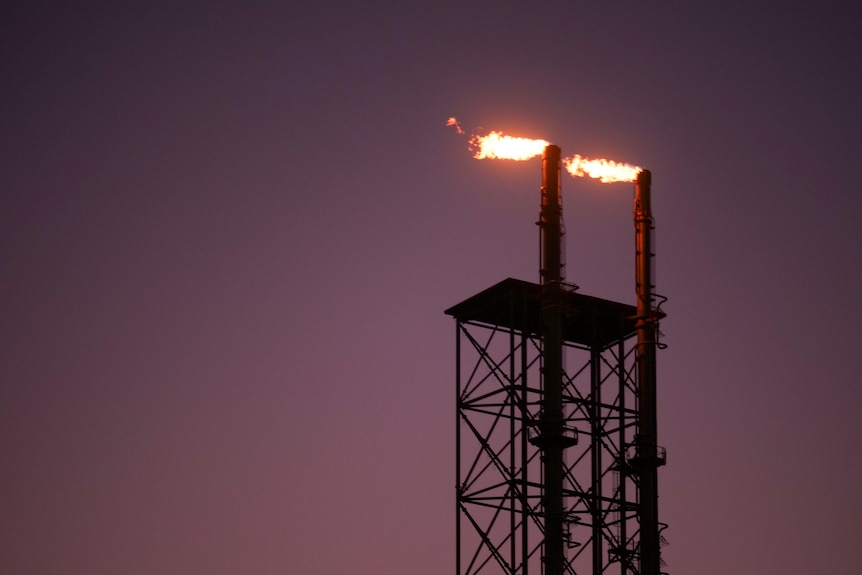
column 556, row 436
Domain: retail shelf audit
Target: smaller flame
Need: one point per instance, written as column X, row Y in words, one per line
column 605, row 170
column 453, row 121
column 499, row 146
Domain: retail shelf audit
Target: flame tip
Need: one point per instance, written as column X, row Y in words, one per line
column 453, row 121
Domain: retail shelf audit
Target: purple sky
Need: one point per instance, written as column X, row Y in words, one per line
column 228, row 235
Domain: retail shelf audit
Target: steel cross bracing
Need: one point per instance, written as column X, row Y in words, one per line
column 499, row 471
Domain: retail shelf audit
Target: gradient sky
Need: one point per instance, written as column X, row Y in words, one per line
column 228, row 234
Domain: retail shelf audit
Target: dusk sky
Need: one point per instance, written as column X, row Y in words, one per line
column 228, row 233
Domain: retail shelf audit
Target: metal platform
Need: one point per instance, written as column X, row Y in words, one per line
column 516, row 304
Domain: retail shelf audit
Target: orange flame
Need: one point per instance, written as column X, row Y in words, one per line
column 605, row 170
column 453, row 121
column 499, row 146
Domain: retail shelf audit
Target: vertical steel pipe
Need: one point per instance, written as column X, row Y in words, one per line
column 647, row 457
column 458, row 485
column 551, row 218
column 551, row 423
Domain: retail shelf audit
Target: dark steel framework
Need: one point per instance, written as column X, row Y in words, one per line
column 499, row 358
column 557, row 451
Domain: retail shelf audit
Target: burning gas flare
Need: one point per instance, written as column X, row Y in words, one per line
column 605, row 170
column 500, row 146
column 497, row 145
